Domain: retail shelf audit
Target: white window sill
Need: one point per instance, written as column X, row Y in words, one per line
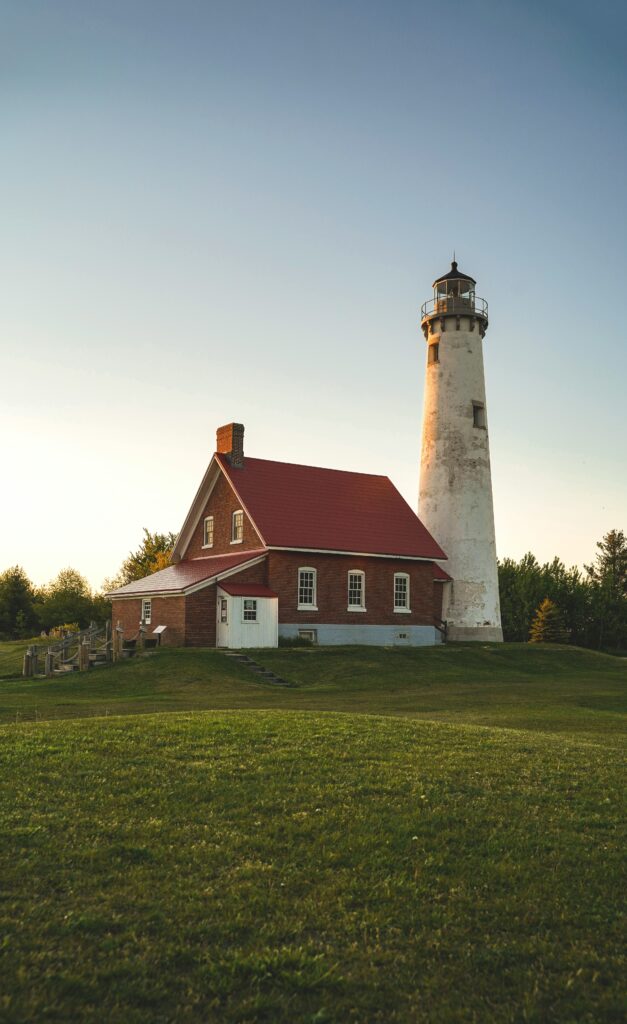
column 205, row 546
column 402, row 611
column 237, row 541
column 307, row 608
column 355, row 609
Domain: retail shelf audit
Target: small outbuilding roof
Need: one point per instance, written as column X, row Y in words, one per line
column 183, row 576
column 246, row 589
column 440, row 575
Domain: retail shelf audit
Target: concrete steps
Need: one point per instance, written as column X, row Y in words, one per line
column 263, row 674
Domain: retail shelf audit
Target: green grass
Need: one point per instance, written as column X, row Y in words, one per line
column 12, row 656
column 286, row 867
column 446, row 849
column 555, row 689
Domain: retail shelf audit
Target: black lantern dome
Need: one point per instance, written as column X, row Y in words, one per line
column 454, row 275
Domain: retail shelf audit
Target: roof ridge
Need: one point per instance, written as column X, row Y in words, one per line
column 303, row 465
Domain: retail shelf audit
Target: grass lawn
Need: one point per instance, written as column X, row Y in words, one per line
column 447, row 849
column 558, row 689
column 267, row 866
column 12, row 656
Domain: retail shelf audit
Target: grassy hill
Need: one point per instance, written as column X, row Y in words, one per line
column 447, row 848
column 558, row 689
column 287, row 867
column 12, row 656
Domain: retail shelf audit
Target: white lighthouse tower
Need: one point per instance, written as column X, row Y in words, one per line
column 455, row 481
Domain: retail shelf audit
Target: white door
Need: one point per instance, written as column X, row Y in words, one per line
column 222, row 628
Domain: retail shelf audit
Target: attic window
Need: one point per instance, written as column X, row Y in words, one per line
column 433, row 353
column 237, row 527
column 207, row 537
column 478, row 415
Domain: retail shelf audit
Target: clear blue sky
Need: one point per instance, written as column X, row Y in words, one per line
column 219, row 211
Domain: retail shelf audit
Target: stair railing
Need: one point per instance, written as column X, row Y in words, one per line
column 72, row 650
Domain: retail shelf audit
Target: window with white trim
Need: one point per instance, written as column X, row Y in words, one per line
column 356, row 590
column 250, row 610
column 207, row 537
column 307, row 586
column 237, row 527
column 401, row 592
column 147, row 610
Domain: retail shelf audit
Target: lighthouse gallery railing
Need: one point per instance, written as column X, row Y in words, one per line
column 454, row 304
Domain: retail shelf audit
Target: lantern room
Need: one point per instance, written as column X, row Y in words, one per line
column 454, row 294
column 455, row 287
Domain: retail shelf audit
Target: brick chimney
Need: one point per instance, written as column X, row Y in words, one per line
column 230, row 442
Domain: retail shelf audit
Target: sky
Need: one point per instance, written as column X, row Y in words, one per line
column 218, row 211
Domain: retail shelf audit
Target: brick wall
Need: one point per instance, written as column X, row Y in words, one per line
column 221, row 505
column 200, row 618
column 166, row 611
column 191, row 621
column 332, row 591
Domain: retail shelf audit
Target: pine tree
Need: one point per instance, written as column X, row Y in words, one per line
column 548, row 625
column 610, row 564
column 608, row 578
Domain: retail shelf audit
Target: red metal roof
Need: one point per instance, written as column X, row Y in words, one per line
column 246, row 589
column 178, row 578
column 296, row 506
column 440, row 575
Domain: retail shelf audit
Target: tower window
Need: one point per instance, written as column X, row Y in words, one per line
column 478, row 415
column 433, row 353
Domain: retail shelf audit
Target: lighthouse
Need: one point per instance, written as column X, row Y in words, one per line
column 455, row 501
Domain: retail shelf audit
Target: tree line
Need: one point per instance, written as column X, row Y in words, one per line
column 551, row 602
column 68, row 600
column 538, row 602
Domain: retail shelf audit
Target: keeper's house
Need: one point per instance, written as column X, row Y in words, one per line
column 272, row 549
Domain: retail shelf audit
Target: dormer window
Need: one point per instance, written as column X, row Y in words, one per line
column 207, row 537
column 237, row 527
